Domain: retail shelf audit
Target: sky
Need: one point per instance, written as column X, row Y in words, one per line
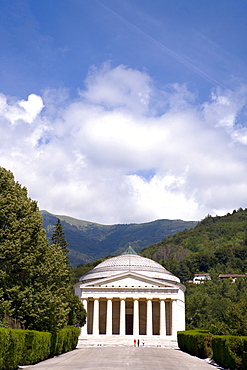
column 126, row 111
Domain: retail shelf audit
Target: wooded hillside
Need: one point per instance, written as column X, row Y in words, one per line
column 217, row 245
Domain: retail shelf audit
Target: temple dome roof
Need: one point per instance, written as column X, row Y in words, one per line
column 129, row 262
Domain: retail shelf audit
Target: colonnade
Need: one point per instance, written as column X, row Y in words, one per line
column 129, row 316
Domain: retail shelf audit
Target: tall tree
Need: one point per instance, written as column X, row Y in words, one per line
column 77, row 313
column 34, row 276
column 58, row 237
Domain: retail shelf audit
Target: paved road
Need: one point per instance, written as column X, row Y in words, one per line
column 122, row 358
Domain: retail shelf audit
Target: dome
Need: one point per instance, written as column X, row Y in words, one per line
column 129, row 263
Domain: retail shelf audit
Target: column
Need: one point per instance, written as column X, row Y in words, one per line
column 136, row 317
column 122, row 317
column 109, row 317
column 162, row 318
column 149, row 318
column 96, row 317
column 84, row 328
column 174, row 318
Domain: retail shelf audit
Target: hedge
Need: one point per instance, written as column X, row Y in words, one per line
column 230, row 351
column 26, row 347
column 196, row 343
column 226, row 350
column 12, row 344
column 37, row 347
column 64, row 340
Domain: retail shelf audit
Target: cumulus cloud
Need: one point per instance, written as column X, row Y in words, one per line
column 23, row 110
column 118, row 87
column 126, row 151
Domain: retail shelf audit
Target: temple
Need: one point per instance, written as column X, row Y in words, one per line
column 131, row 295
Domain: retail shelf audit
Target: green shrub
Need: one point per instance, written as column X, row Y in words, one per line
column 230, row 351
column 11, row 348
column 227, row 351
column 37, row 347
column 195, row 342
column 64, row 340
column 26, row 347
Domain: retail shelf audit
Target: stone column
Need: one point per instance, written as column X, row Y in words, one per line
column 84, row 327
column 174, row 318
column 96, row 317
column 162, row 318
column 149, row 318
column 122, row 317
column 136, row 318
column 109, row 317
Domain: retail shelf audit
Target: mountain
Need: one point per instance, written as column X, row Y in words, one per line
column 217, row 245
column 89, row 241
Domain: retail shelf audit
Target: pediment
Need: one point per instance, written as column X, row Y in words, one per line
column 129, row 280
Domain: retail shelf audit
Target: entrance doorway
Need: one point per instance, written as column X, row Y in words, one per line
column 129, row 324
column 129, row 309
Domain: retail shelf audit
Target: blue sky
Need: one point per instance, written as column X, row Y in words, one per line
column 126, row 111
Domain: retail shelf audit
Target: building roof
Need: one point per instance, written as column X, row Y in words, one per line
column 232, row 275
column 129, row 263
column 129, row 250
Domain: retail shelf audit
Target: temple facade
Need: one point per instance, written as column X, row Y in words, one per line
column 131, row 295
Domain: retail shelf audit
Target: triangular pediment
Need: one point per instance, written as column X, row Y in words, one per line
column 129, row 280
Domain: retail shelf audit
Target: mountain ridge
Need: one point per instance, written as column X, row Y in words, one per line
column 89, row 241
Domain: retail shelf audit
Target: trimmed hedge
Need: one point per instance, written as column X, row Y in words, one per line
column 195, row 342
column 12, row 344
column 37, row 347
column 230, row 351
column 64, row 340
column 227, row 351
column 26, row 347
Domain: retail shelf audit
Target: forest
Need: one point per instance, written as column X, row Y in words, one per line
column 217, row 245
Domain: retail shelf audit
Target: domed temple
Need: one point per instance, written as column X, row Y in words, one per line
column 131, row 295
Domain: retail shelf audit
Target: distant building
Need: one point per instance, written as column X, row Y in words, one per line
column 131, row 295
column 200, row 278
column 231, row 276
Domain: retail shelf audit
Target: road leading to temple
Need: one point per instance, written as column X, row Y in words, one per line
column 120, row 358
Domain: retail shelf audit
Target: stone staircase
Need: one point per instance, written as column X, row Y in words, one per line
column 127, row 341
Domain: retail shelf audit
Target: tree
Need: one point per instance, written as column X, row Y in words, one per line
column 34, row 276
column 58, row 237
column 77, row 313
column 217, row 305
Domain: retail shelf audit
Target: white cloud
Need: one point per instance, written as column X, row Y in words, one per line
column 117, row 155
column 21, row 110
column 118, row 87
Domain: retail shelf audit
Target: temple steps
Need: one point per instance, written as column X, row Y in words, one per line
column 127, row 341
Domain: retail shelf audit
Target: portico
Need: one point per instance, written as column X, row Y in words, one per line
column 131, row 295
